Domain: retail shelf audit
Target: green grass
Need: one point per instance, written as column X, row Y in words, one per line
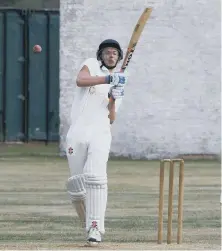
column 30, row 149
column 35, row 211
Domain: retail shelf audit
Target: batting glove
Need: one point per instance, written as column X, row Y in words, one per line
column 117, row 79
column 117, row 92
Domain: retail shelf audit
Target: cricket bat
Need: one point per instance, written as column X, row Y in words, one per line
column 135, row 37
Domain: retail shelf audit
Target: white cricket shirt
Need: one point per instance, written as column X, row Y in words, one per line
column 90, row 103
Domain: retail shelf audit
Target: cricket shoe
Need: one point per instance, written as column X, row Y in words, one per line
column 94, row 236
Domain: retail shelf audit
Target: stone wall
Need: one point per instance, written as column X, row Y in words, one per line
column 172, row 102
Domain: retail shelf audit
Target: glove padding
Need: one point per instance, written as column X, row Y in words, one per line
column 117, row 92
column 118, row 79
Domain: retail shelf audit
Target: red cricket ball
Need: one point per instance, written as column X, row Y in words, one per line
column 37, row 48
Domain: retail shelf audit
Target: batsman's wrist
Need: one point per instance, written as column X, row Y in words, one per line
column 108, row 79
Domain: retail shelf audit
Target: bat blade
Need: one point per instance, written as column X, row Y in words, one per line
column 135, row 37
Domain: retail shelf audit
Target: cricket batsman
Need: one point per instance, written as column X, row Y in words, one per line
column 89, row 136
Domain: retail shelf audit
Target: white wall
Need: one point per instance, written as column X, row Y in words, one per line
column 172, row 102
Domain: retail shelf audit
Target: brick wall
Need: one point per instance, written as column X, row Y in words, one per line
column 172, row 102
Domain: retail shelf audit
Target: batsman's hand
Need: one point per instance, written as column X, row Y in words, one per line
column 117, row 79
column 117, row 92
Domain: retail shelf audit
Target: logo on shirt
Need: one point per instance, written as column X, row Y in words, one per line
column 92, row 90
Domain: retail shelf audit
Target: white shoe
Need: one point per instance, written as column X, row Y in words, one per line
column 94, row 236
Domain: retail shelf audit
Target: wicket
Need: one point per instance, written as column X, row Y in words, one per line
column 170, row 200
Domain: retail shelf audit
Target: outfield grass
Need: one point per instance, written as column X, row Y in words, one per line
column 34, row 149
column 35, row 211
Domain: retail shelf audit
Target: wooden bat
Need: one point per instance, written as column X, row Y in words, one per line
column 135, row 37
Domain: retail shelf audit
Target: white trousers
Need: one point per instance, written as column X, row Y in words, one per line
column 87, row 153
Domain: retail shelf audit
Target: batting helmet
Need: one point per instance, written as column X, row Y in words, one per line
column 109, row 43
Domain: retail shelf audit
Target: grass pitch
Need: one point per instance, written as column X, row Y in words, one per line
column 35, row 212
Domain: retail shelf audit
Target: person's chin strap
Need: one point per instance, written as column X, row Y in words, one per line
column 108, row 67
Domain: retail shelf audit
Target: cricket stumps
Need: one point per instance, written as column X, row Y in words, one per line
column 171, row 163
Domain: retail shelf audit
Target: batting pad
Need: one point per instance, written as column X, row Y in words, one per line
column 76, row 187
column 77, row 193
column 96, row 200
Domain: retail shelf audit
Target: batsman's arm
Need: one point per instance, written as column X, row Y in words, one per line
column 84, row 79
column 112, row 110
